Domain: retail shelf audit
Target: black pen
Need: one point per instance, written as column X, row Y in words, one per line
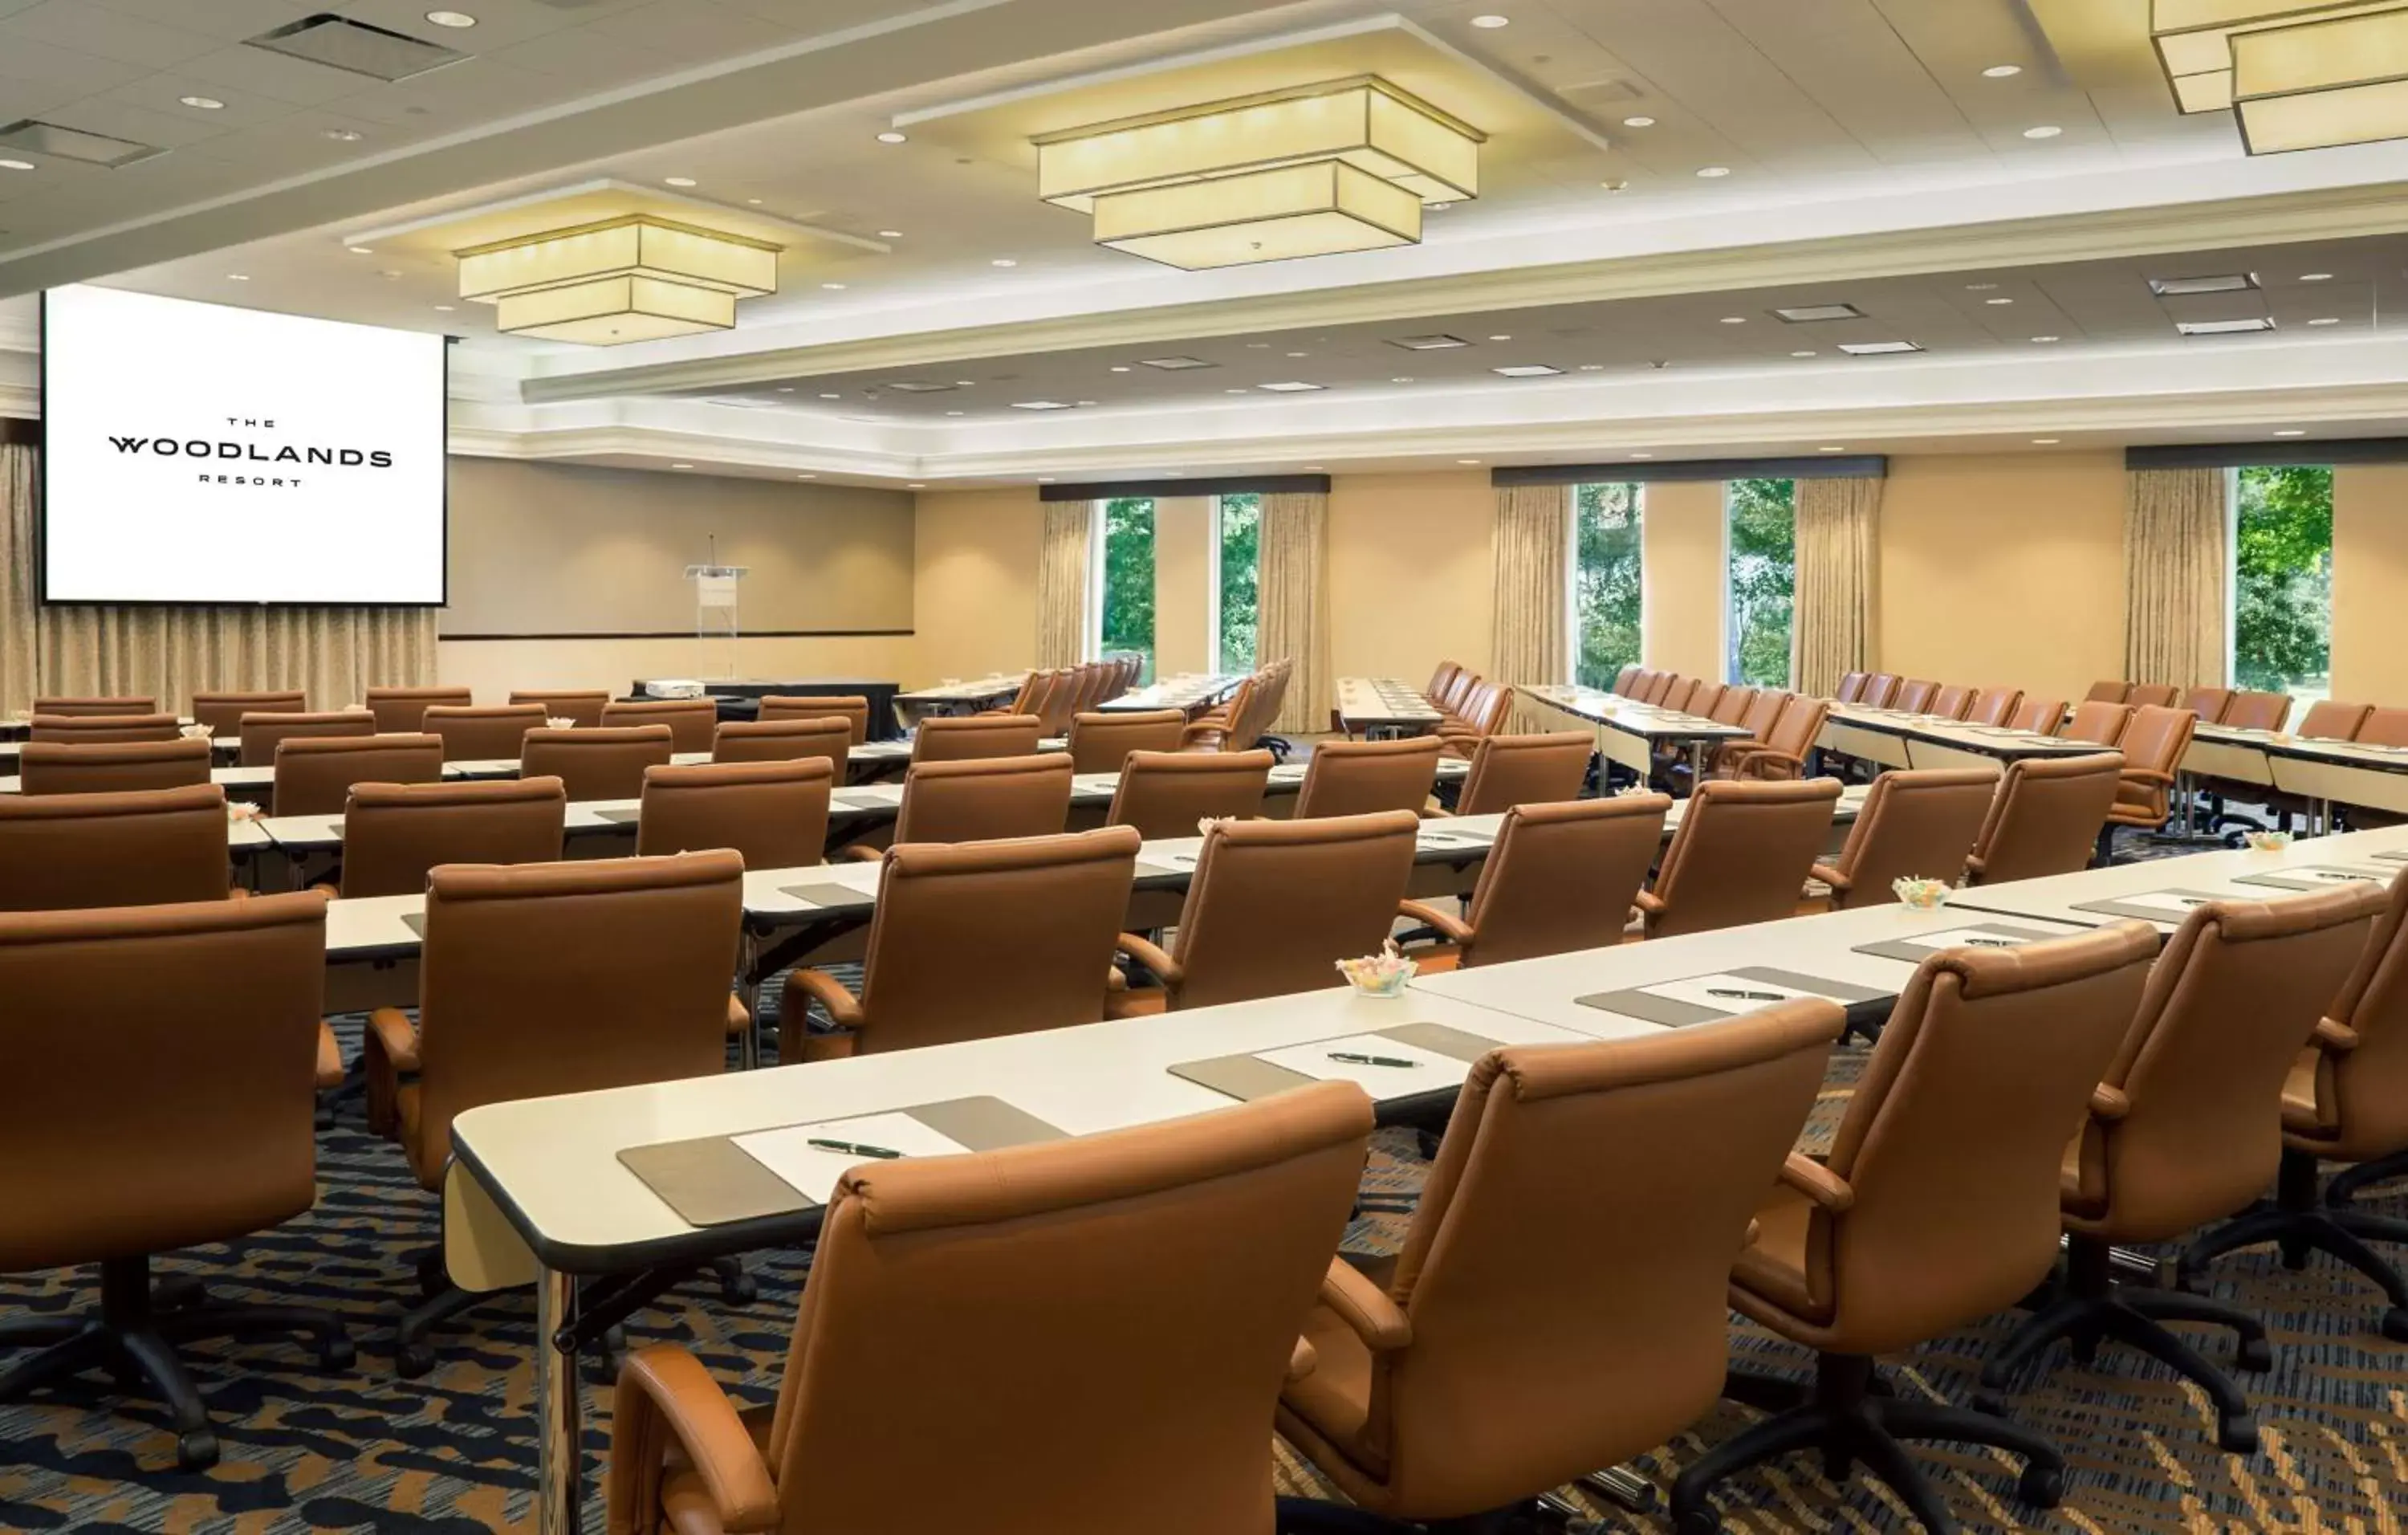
column 1352, row 1058
column 852, row 1148
column 1989, row 943
column 1745, row 995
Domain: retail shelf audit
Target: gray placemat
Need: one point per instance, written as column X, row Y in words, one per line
column 826, row 894
column 2398, row 856
column 624, row 818
column 1247, row 1078
column 863, row 802
column 1162, row 871
column 1646, row 1006
column 2309, row 878
column 2119, row 908
column 415, row 921
column 1915, row 953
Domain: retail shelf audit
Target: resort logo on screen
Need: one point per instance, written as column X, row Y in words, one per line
column 260, row 463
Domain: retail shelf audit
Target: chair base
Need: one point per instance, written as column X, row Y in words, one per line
column 2345, row 1187
column 135, row 1333
column 604, row 1304
column 2090, row 1309
column 1306, row 1517
column 2297, row 1224
column 1852, row 1416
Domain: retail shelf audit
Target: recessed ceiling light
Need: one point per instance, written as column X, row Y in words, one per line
column 1290, row 386
column 892, row 137
column 1713, row 173
column 237, row 276
column 831, row 396
column 2326, row 320
column 1299, row 354
column 953, row 413
column 1500, row 339
column 1638, row 122
column 1734, row 320
column 2315, row 276
column 1592, row 368
column 890, row 234
column 1980, row 287
column 1830, row 450
column 753, row 202
column 1490, row 23
column 1876, row 348
column 1411, row 343
column 1003, row 261
column 2045, row 442
column 806, row 477
column 1120, row 367
column 1402, row 378
column 918, row 386
column 445, row 309
column 1996, row 301
column 344, row 136
column 1045, row 479
column 1467, row 461
column 1175, row 365
column 2044, row 341
column 360, row 250
column 1086, row 402
column 451, row 18
column 2228, row 282
column 1312, row 468
column 1643, row 455
column 1041, row 404
column 1801, row 354
column 2046, row 130
column 16, row 165
column 2223, row 327
column 1525, row 370
column 679, row 180
column 680, row 465
column 2292, row 431
column 785, row 389
column 917, row 485
column 833, row 287
column 205, row 103
column 2002, row 71
column 1806, row 314
column 964, row 383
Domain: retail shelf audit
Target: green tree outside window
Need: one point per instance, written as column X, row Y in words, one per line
column 1129, row 580
column 1763, row 579
column 2282, row 589
column 1239, row 529
column 1606, row 581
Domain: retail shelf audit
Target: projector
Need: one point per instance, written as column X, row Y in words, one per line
column 673, row 688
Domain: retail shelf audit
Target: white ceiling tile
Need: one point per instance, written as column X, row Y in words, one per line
column 105, row 33
column 595, row 59
column 164, row 93
column 690, row 30
column 475, row 90
column 499, row 22
column 63, row 69
column 277, row 75
column 123, row 120
column 229, row 21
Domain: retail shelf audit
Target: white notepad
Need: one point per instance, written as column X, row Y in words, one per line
column 1429, row 1072
column 1697, row 991
column 812, row 1171
column 1962, row 937
column 2171, row 903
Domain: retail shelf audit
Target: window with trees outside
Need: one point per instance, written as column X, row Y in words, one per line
column 1237, row 599
column 1605, row 581
column 2282, row 580
column 1124, row 602
column 1762, row 579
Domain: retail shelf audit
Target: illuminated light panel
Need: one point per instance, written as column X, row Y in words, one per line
column 633, row 278
column 1319, row 208
column 2199, row 41
column 2323, row 83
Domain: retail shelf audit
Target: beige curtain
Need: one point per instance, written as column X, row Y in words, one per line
column 1529, row 641
column 1292, row 582
column 1062, row 582
column 2175, row 559
column 1839, row 558
column 333, row 653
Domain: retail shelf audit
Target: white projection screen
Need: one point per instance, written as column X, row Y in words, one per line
column 197, row 453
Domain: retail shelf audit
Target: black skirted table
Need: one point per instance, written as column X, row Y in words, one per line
column 742, row 700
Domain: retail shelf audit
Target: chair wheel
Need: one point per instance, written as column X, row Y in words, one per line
column 1698, row 1520
column 2041, row 1487
column 614, row 1340
column 2255, row 1354
column 335, row 1351
column 2395, row 1324
column 2238, row 1434
column 739, row 1290
column 432, row 1278
column 196, row 1451
column 1990, row 1403
column 412, row 1360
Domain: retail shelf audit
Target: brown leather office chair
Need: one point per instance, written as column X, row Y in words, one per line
column 2252, row 710
column 1214, row 731
column 159, row 847
column 1095, row 680
column 1762, row 714
column 1880, row 690
column 2153, row 695
column 393, row 834
column 45, row 768
column 1784, row 751
column 971, row 736
column 222, row 713
column 1659, row 687
column 1102, row 743
column 2186, row 1124
column 774, row 815
column 1033, row 919
column 402, row 710
column 488, row 734
column 1994, row 706
column 2208, row 703
column 604, row 763
column 2384, row 727
column 1677, row 697
column 1850, row 688
column 2046, row 818
column 1361, row 776
column 1136, row 1295
column 547, row 979
column 1703, row 701
column 314, row 774
column 1537, row 769
column 1919, row 825
column 2152, row 747
column 102, row 729
column 692, row 721
column 1936, row 1208
column 1914, row 698
column 2329, row 719
column 1275, row 905
column 1951, row 701
column 1034, row 686
column 582, row 708
column 2042, row 716
column 187, row 1120
column 2100, row 722
column 1622, row 679
column 1733, row 706
column 71, row 707
column 981, row 799
column 261, row 734
column 1165, row 794
column 829, row 739
column 1742, row 855
column 1559, row 877
column 1487, row 714
column 1421, row 1406
column 852, row 707
column 2346, row 1101
column 2107, row 692
column 1449, row 671
column 1641, row 681
column 1059, row 701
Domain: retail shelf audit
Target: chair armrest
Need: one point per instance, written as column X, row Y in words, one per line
column 829, row 992
column 1302, row 1360
column 1365, row 1307
column 395, row 1036
column 1450, row 926
column 330, row 1057
column 664, row 1397
column 2335, row 1037
column 1831, row 877
column 2109, row 1103
column 1817, row 1183
column 236, row 893
column 1165, row 970
column 1649, row 903
column 2150, row 776
column 1761, row 762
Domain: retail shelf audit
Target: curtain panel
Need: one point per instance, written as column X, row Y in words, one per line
column 1062, row 585
column 1839, row 560
column 1292, row 582
column 1530, row 636
column 2175, row 558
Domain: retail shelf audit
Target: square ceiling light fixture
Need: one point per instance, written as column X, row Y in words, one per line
column 635, row 279
column 1312, row 170
column 2297, row 76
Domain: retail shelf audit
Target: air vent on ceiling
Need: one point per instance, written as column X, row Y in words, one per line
column 1876, row 348
column 2223, row 327
column 1429, row 343
column 340, row 43
column 1174, row 365
column 2175, row 287
column 74, row 144
column 1808, row 313
column 1525, row 370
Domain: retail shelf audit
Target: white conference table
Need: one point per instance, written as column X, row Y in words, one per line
column 1384, row 703
column 1629, row 732
column 1191, row 694
column 241, row 783
column 2322, row 771
column 958, row 696
column 1895, row 739
column 2160, row 890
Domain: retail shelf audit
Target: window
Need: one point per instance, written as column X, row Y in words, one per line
column 1125, row 605
column 1763, row 579
column 2282, row 580
column 1237, row 600
column 1605, row 581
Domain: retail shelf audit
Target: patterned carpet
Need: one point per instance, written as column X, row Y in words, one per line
column 450, row 1454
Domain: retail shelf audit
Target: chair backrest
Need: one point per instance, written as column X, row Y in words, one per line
column 1095, row 680
column 1850, row 688
column 774, row 815
column 261, row 734
column 2251, row 711
column 1918, row 824
column 1034, row 686
column 1461, row 689
column 1059, row 702
column 222, row 713
column 1275, row 905
column 1677, row 697
column 139, row 848
column 103, row 729
column 1708, row 697
column 1361, row 776
column 2097, row 721
column 2230, row 1005
column 1100, row 743
column 1762, row 711
column 46, row 767
column 829, row 739
column 2363, row 1091
column 1994, row 706
column 490, row 733
column 691, row 720
column 2329, row 719
column 1101, row 1362
column 1954, row 1140
column 579, row 706
column 982, row 938
column 568, row 977
column 799, row 706
column 1951, row 701
column 402, row 710
column 2156, row 739
column 978, row 799
column 2384, row 727
column 604, row 762
column 1597, row 1195
column 1262, row 704
column 186, row 1119
column 1447, row 671
column 2153, row 694
column 2042, row 716
column 1539, row 769
column 1659, row 687
column 970, row 737
column 1800, row 722
column 2208, row 703
column 1563, row 875
column 1165, row 794
column 1880, row 688
column 314, row 774
column 1916, row 698
column 78, row 708
column 1640, row 681
column 2107, row 692
column 1741, row 854
column 2046, row 817
column 1732, row 707
column 1622, row 679
column 395, row 833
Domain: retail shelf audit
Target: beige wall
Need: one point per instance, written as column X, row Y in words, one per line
column 2369, row 583
column 1682, row 577
column 1410, row 568
column 974, row 591
column 1183, row 597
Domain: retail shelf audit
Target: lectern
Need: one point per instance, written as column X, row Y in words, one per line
column 715, row 626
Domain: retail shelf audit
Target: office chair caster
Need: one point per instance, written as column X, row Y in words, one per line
column 413, row 1360
column 2395, row 1324
column 196, row 1450
column 432, row 1278
column 2041, row 1487
column 2237, row 1434
column 336, row 1352
column 1699, row 1522
column 736, row 1286
column 2256, row 1354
